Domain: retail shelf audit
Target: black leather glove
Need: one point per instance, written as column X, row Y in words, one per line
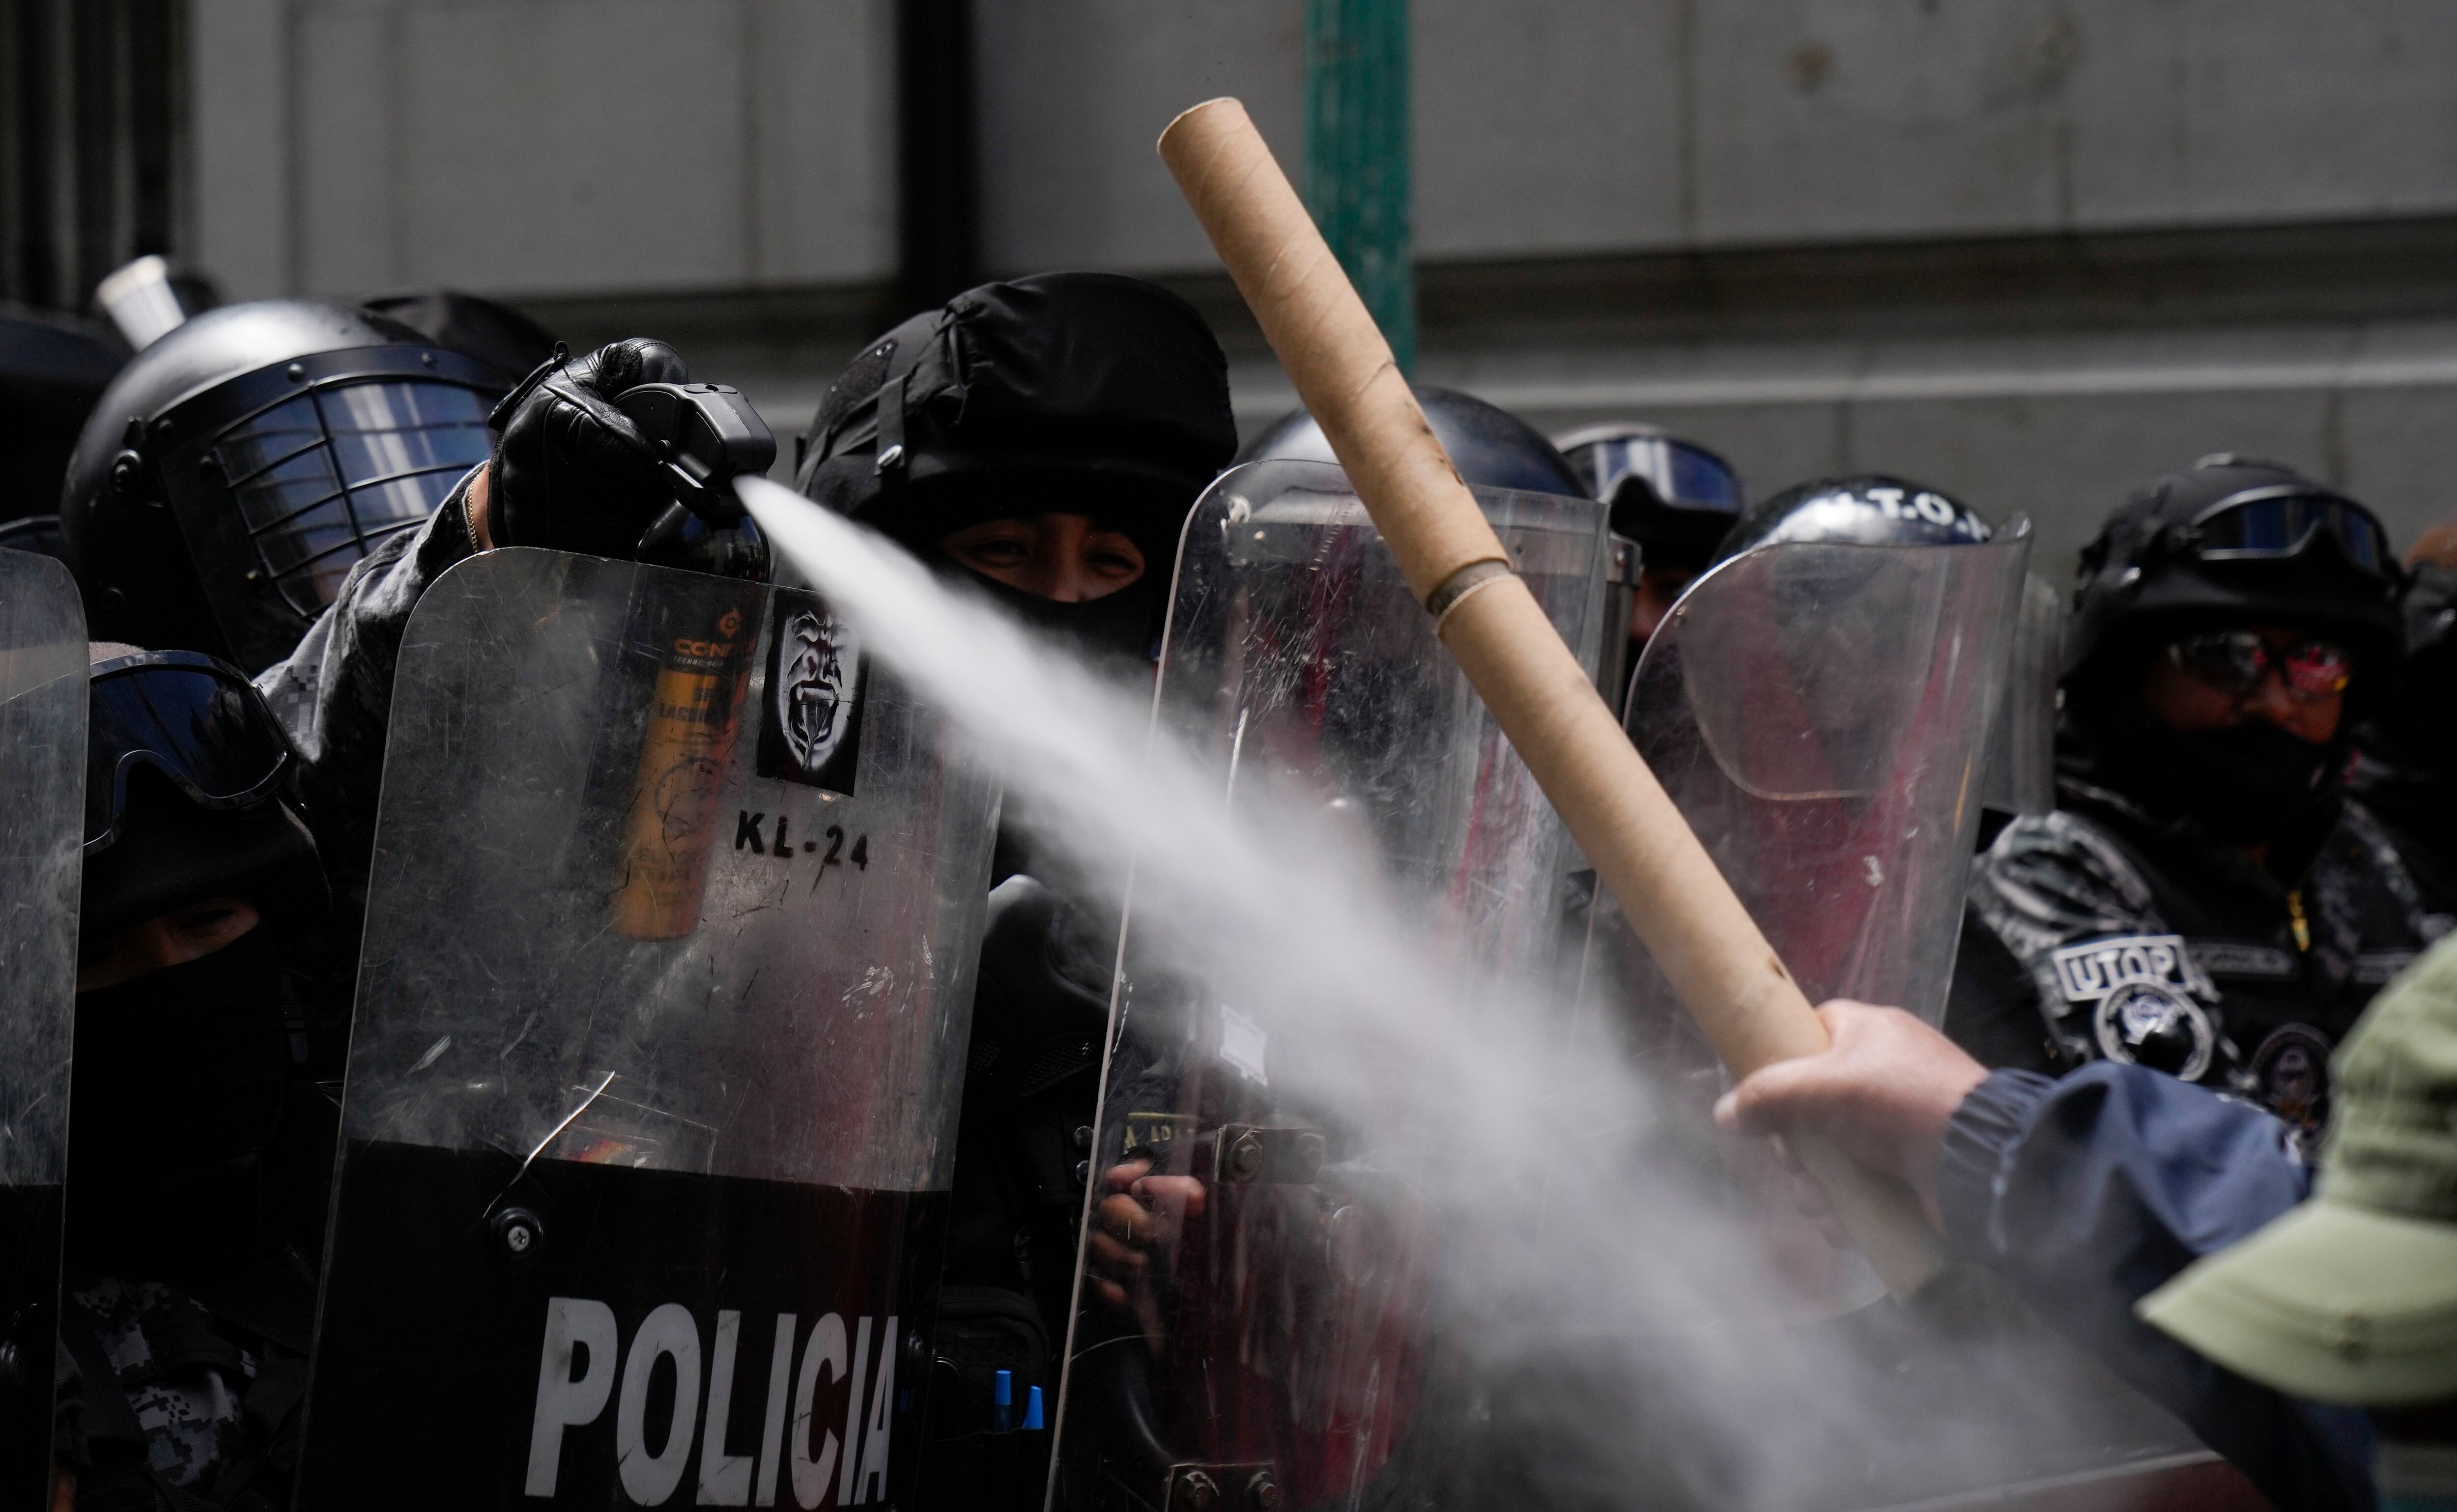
column 570, row 471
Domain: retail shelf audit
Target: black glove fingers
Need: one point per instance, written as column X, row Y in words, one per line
column 628, row 364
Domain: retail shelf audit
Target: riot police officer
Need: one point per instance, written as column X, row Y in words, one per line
column 199, row 1150
column 1041, row 442
column 239, row 467
column 1675, row 498
column 556, row 465
column 2203, row 900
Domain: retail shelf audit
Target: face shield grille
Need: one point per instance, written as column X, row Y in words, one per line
column 320, row 480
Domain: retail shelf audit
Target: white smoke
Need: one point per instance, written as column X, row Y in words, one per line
column 1567, row 1261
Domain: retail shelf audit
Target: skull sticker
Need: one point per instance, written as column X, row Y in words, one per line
column 812, row 732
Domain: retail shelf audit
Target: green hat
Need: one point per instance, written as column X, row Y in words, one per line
column 2352, row 1298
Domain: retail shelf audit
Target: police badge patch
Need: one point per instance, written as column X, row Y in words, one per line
column 2291, row 1072
column 811, row 728
column 2147, row 1023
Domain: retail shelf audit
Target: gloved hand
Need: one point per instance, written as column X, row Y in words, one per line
column 570, row 471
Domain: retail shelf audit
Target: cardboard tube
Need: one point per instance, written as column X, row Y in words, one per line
column 1685, row 913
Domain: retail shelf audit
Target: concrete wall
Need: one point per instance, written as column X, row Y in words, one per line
column 545, row 147
column 721, row 172
column 1584, row 126
column 567, row 146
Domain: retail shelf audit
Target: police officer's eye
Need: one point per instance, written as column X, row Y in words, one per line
column 997, row 551
column 1119, row 559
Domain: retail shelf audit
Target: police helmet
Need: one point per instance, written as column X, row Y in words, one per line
column 240, row 465
column 1674, row 497
column 186, row 770
column 51, row 370
column 1088, row 393
column 1868, row 509
column 495, row 334
column 1491, row 448
column 2238, row 539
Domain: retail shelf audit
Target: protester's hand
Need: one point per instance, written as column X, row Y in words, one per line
column 1883, row 1093
column 570, row 471
column 1141, row 1213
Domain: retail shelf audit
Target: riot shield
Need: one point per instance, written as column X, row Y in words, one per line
column 1275, row 1349
column 1821, row 714
column 662, row 1009
column 43, row 702
column 2021, row 750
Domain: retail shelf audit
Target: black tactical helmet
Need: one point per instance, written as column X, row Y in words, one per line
column 240, row 465
column 1867, row 508
column 2234, row 538
column 1673, row 497
column 497, row 335
column 1491, row 448
column 51, row 370
column 1088, row 393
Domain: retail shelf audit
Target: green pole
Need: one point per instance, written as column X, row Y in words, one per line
column 1356, row 179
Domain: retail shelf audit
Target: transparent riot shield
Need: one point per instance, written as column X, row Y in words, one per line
column 43, row 702
column 1275, row 1349
column 2021, row 751
column 659, row 1039
column 1821, row 715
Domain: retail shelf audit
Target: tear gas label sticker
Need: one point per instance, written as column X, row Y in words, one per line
column 810, row 731
column 2091, row 970
column 1241, row 1042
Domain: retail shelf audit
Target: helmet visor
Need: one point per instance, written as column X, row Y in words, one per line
column 2268, row 524
column 1682, row 475
column 190, row 717
column 322, row 479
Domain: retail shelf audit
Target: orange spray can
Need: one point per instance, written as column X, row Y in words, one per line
column 683, row 761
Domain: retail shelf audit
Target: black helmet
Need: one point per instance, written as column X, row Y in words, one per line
column 497, row 335
column 1673, row 497
column 51, row 370
column 238, row 467
column 1088, row 393
column 2231, row 537
column 185, row 772
column 1867, row 508
column 1491, row 448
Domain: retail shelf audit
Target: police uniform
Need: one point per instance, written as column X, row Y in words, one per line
column 2096, row 932
column 2203, row 903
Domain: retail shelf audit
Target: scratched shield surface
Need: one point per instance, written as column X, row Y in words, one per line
column 1279, row 1349
column 657, row 1053
column 1821, row 715
column 43, row 702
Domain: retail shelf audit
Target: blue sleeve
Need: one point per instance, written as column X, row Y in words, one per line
column 2089, row 1193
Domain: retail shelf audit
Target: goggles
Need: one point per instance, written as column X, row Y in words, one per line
column 190, row 717
column 2275, row 522
column 1682, row 475
column 2236, row 661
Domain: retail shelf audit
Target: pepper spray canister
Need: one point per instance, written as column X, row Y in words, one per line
column 704, row 651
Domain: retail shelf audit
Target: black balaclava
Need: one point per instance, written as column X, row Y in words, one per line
column 1077, row 393
column 2244, row 783
column 2240, row 784
column 1116, row 632
column 180, row 1088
